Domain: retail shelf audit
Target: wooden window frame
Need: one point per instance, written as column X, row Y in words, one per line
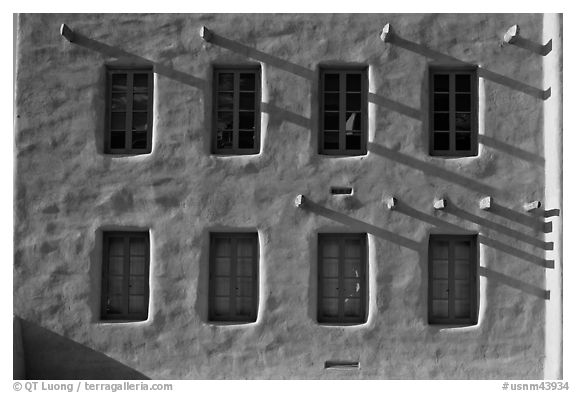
column 129, row 71
column 343, row 71
column 452, row 71
column 232, row 316
column 126, row 236
column 341, row 318
column 472, row 319
column 236, row 70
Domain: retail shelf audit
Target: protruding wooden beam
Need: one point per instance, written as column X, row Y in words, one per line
column 440, row 204
column 531, row 206
column 205, row 34
column 512, row 34
column 391, row 203
column 486, row 203
column 300, row 201
column 387, row 33
column 66, row 32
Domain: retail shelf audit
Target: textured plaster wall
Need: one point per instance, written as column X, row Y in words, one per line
column 68, row 191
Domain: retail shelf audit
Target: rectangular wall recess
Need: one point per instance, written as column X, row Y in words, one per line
column 341, row 190
column 341, row 365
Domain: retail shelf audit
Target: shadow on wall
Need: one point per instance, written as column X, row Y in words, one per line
column 48, row 355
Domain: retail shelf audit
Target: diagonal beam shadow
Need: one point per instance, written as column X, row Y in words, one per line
column 533, row 222
column 514, row 282
column 531, row 46
column 277, row 113
column 512, row 150
column 362, row 226
column 117, row 53
column 482, row 72
column 261, row 56
column 437, row 222
column 431, row 170
column 395, row 106
column 464, row 215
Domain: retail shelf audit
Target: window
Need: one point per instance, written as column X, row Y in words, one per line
column 129, row 111
column 452, row 280
column 125, row 270
column 342, row 278
column 237, row 110
column 454, row 108
column 233, row 277
column 343, row 111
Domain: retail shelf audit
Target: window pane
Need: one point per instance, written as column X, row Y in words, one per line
column 441, row 121
column 226, row 101
column 439, row 289
column 352, row 307
column 137, row 285
column 244, row 306
column 441, row 102
column 441, row 82
column 117, row 140
column 463, row 83
column 463, row 122
column 116, row 246
column 331, row 140
column 118, row 121
column 225, row 120
column 353, row 248
column 139, row 140
column 440, row 308
column 329, row 287
column 224, row 140
column 140, row 81
column 245, row 247
column 461, row 270
column 222, row 247
column 331, row 121
column 247, row 101
column 330, row 248
column 140, row 101
column 225, row 82
column 137, row 265
column 221, row 306
column 119, row 82
column 118, row 102
column 244, row 267
column 114, row 305
column 440, row 250
column 462, row 250
column 352, row 267
column 139, row 121
column 462, row 289
column 222, row 266
column 137, row 304
column 440, row 269
column 353, row 121
column 246, row 140
column 243, row 286
column 222, row 286
column 353, row 82
column 353, row 101
column 329, row 307
column 441, row 141
column 462, row 308
column 331, row 82
column 246, row 121
column 351, row 287
column 331, row 101
column 248, row 81
column 353, row 141
column 116, row 265
column 463, row 102
column 116, row 285
column 330, row 267
column 463, row 141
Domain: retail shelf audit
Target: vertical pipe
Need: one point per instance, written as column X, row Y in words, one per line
column 552, row 73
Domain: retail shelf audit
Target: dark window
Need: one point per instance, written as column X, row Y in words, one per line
column 237, row 110
column 453, row 112
column 342, row 278
column 125, row 287
column 452, row 279
column 343, row 111
column 129, row 111
column 233, row 277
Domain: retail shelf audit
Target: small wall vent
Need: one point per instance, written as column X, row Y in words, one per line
column 341, row 190
column 341, row 365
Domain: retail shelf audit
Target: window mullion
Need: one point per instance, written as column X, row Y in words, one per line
column 236, row 112
column 129, row 109
column 452, row 111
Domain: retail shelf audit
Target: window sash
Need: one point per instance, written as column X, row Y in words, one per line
column 452, row 260
column 234, row 294
column 236, row 71
column 341, row 239
column 342, row 109
column 128, row 131
column 452, row 72
column 127, row 275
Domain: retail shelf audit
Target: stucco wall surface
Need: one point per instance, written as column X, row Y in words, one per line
column 68, row 191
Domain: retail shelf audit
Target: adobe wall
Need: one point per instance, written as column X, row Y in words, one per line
column 67, row 192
